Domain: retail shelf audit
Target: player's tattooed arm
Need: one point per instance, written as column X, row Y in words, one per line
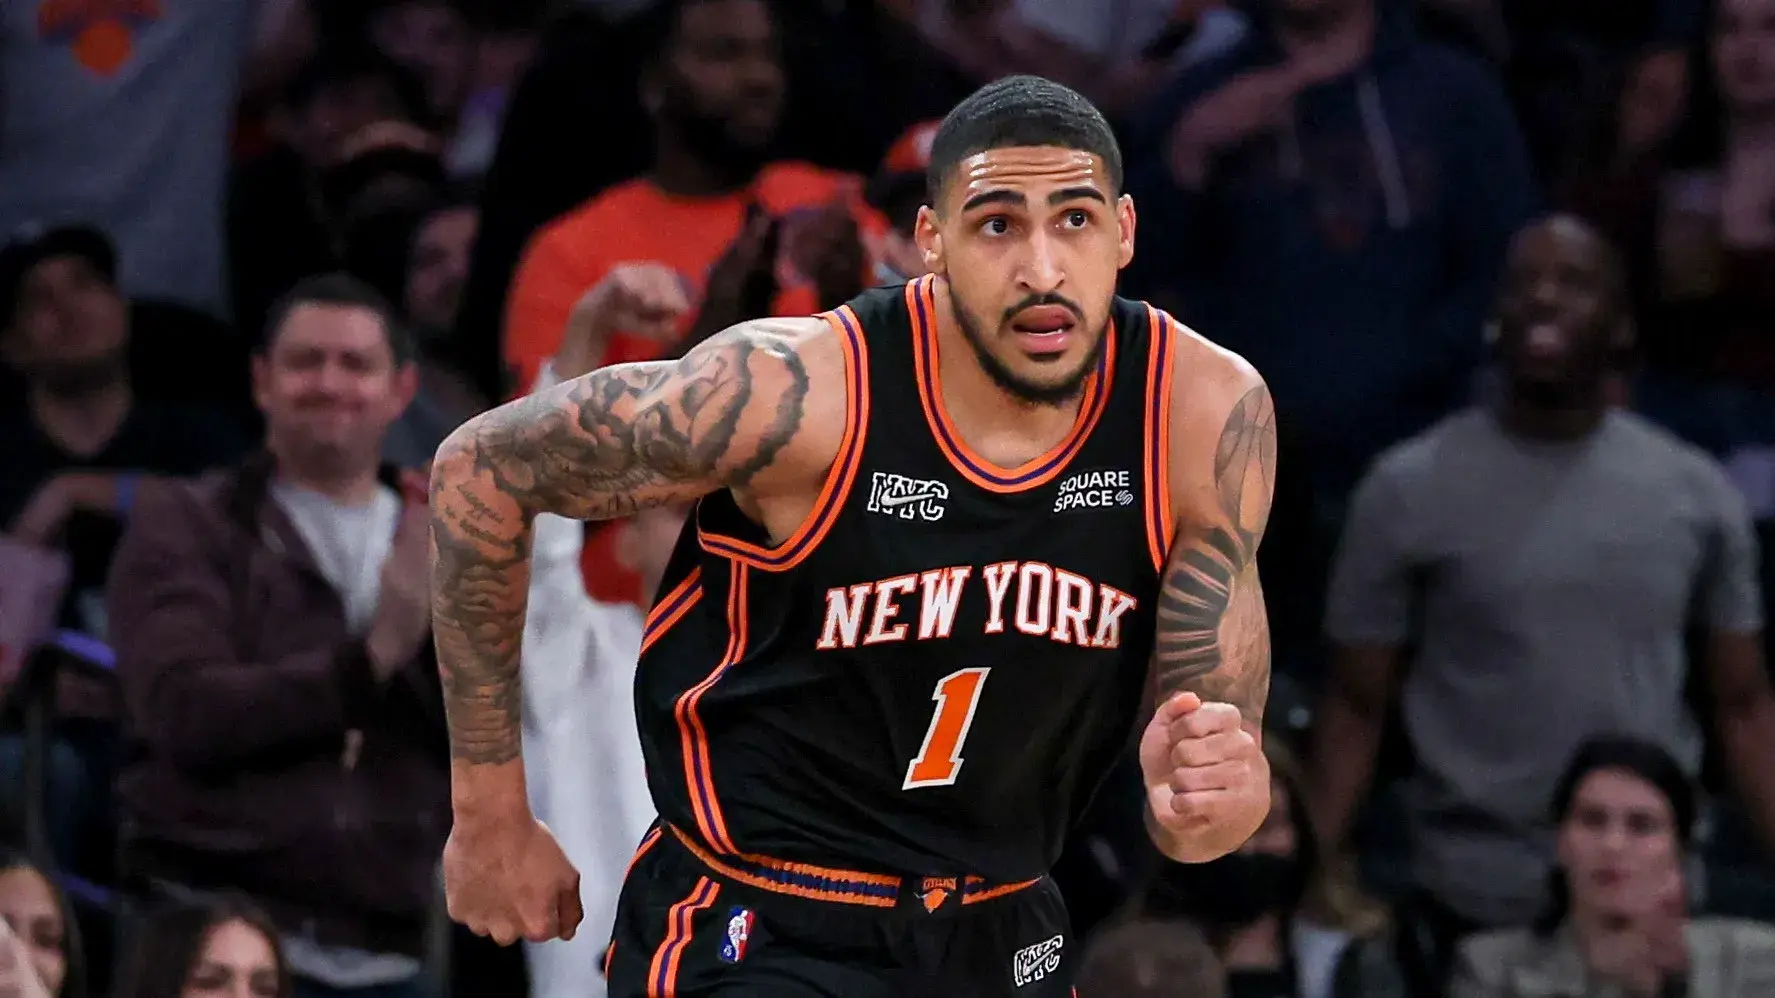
column 1213, row 632
column 604, row 445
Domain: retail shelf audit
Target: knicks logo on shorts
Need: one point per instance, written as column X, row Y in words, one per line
column 937, row 890
column 907, row 498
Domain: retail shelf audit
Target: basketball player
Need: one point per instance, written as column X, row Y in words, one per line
column 947, row 539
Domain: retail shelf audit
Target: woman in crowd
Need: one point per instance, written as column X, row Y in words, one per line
column 1281, row 924
column 1617, row 923
column 38, row 917
column 223, row 949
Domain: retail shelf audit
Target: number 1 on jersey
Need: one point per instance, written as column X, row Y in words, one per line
column 939, row 758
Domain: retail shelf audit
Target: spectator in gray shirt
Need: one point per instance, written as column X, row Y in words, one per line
column 1546, row 559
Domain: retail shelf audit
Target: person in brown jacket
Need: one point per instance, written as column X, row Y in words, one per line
column 283, row 727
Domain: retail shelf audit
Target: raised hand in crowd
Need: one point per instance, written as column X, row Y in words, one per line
column 55, row 501
column 1644, row 948
column 403, row 611
column 640, row 299
column 1254, row 103
column 826, row 247
column 743, row 282
column 17, row 977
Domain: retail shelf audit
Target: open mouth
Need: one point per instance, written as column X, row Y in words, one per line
column 1044, row 329
column 1546, row 339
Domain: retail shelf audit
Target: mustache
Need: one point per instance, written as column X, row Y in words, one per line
column 1047, row 298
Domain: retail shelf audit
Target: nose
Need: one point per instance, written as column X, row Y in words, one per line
column 332, row 378
column 759, row 73
column 1545, row 291
column 1042, row 270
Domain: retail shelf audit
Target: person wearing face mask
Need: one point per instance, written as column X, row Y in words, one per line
column 225, row 948
column 1279, row 922
column 1617, row 922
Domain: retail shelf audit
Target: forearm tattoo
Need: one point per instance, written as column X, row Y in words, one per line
column 1213, row 631
column 605, row 445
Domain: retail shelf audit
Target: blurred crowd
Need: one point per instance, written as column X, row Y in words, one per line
column 1508, row 267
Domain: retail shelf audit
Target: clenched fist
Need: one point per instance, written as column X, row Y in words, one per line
column 637, row 299
column 1207, row 782
column 510, row 881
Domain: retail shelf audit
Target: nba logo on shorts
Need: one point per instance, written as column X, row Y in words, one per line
column 739, row 930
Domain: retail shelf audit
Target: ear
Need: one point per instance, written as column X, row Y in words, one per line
column 1623, row 335
column 1125, row 229
column 929, row 238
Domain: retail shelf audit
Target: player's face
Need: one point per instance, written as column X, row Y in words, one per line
column 1029, row 240
column 1559, row 316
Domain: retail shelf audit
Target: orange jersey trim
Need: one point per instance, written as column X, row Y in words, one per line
column 1161, row 365
column 662, row 976
column 672, row 608
column 819, row 883
column 698, row 769
column 921, row 304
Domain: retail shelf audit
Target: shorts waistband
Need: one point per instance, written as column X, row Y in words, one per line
column 869, row 890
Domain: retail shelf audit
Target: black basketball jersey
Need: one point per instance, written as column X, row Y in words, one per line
column 935, row 672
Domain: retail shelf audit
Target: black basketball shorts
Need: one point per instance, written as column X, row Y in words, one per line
column 693, row 925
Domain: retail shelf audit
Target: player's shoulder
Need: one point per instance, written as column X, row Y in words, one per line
column 792, row 371
column 805, row 355
column 1210, row 382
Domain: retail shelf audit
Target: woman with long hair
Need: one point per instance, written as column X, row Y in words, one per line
column 221, row 949
column 1617, row 921
column 37, row 913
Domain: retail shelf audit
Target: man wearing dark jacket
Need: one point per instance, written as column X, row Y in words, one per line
column 1333, row 199
column 282, row 723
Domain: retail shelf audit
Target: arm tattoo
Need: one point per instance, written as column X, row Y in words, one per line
column 605, row 445
column 1213, row 632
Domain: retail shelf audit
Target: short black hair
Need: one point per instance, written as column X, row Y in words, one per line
column 341, row 290
column 1021, row 111
column 656, row 26
column 354, row 62
column 1150, row 959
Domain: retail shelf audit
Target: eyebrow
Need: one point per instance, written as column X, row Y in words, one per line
column 1015, row 199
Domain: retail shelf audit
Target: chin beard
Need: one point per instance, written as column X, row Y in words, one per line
column 707, row 138
column 1022, row 389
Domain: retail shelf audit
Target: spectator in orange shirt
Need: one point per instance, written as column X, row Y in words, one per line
column 747, row 236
